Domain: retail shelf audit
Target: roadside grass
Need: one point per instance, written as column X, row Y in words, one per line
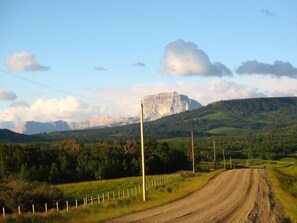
column 156, row 196
column 284, row 180
column 87, row 189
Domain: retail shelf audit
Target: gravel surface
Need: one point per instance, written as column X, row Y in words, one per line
column 241, row 195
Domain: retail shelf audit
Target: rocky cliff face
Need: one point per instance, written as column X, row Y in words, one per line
column 32, row 127
column 164, row 104
column 154, row 107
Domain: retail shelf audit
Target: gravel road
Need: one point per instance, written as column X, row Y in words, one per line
column 240, row 195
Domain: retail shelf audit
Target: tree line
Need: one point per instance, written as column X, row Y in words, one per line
column 73, row 161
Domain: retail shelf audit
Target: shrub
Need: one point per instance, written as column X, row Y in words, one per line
column 24, row 194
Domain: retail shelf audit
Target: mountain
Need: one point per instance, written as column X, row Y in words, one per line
column 32, row 127
column 223, row 118
column 165, row 104
column 155, row 107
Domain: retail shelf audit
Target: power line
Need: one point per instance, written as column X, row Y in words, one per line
column 54, row 89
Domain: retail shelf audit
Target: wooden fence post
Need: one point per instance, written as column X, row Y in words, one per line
column 75, row 203
column 45, row 207
column 19, row 210
column 33, row 209
column 57, row 205
column 67, row 206
column 3, row 211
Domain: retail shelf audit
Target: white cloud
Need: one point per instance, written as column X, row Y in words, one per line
column 223, row 90
column 7, row 95
column 99, row 68
column 24, row 61
column 67, row 109
column 186, row 59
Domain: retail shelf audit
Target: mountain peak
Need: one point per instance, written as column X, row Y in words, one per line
column 166, row 103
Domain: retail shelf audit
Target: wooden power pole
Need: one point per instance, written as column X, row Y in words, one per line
column 214, row 155
column 193, row 151
column 142, row 154
column 224, row 159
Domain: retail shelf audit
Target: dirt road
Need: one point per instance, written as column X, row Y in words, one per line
column 241, row 195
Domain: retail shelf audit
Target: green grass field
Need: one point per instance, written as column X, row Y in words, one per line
column 284, row 180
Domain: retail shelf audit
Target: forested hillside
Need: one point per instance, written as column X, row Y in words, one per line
column 10, row 136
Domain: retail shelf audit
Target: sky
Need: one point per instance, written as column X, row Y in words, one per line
column 81, row 59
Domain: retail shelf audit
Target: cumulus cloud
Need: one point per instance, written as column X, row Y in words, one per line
column 67, row 109
column 7, row 95
column 139, row 64
column 278, row 69
column 267, row 12
column 229, row 90
column 99, row 68
column 24, row 61
column 186, row 59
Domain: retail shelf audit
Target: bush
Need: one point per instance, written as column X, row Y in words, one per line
column 24, row 194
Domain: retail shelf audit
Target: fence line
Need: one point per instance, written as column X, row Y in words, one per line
column 126, row 193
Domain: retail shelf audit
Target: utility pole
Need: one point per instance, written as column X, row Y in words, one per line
column 193, row 152
column 142, row 154
column 214, row 155
column 224, row 158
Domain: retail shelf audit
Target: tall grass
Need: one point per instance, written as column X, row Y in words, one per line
column 157, row 195
column 284, row 181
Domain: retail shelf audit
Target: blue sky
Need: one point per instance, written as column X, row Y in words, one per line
column 116, row 52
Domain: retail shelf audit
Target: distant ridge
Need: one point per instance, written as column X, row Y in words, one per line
column 221, row 118
column 228, row 117
column 155, row 107
column 7, row 136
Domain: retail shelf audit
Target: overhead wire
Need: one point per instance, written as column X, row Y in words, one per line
column 55, row 89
